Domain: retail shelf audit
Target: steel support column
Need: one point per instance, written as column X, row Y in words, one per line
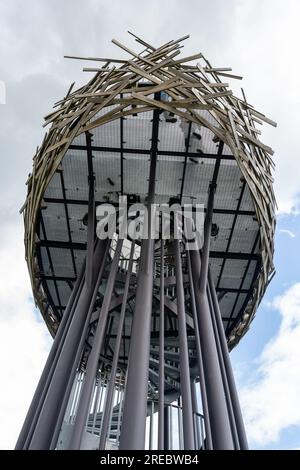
column 93, row 360
column 223, row 373
column 41, row 390
column 91, row 213
column 197, row 436
column 42, row 435
column 185, row 385
column 135, row 402
column 78, row 352
column 161, row 389
column 229, row 372
column 110, row 390
column 208, row 444
column 167, row 428
column 151, row 418
column 218, row 413
column 54, row 363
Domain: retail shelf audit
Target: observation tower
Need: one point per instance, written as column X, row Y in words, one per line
column 143, row 327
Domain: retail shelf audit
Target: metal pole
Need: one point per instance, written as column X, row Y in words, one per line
column 91, row 212
column 100, row 405
column 170, row 427
column 135, row 403
column 217, row 406
column 151, row 426
column 228, row 367
column 206, row 245
column 166, row 428
column 77, row 381
column 32, row 414
column 199, row 357
column 119, row 416
column 96, row 405
column 195, row 412
column 179, row 417
column 78, row 352
column 185, row 385
column 103, row 398
column 203, row 444
column 92, row 363
column 223, row 373
column 42, row 435
column 80, row 380
column 52, row 368
column 161, row 387
column 72, row 399
column 109, row 396
column 120, row 411
column 111, row 412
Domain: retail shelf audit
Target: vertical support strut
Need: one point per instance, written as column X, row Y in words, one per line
column 78, row 355
column 109, row 396
column 197, row 436
column 93, row 360
column 53, row 366
column 223, row 373
column 208, row 444
column 41, row 390
column 228, row 367
column 135, row 403
column 185, row 385
column 161, row 390
column 151, row 425
column 91, row 212
column 167, row 427
column 218, row 413
column 50, row 412
column 45, row 426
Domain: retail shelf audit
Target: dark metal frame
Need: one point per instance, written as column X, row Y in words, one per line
column 83, row 338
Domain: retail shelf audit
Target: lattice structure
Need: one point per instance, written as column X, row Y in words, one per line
column 143, row 327
column 197, row 94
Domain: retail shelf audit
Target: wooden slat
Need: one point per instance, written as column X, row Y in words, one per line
column 190, row 88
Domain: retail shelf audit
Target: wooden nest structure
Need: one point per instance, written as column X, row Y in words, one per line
column 121, row 91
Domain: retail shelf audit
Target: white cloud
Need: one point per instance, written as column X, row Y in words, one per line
column 261, row 48
column 288, row 232
column 24, row 341
column 271, row 400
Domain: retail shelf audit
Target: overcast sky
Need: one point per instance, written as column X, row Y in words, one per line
column 260, row 40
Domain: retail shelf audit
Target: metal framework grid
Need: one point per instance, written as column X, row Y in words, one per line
column 198, row 96
column 145, row 327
